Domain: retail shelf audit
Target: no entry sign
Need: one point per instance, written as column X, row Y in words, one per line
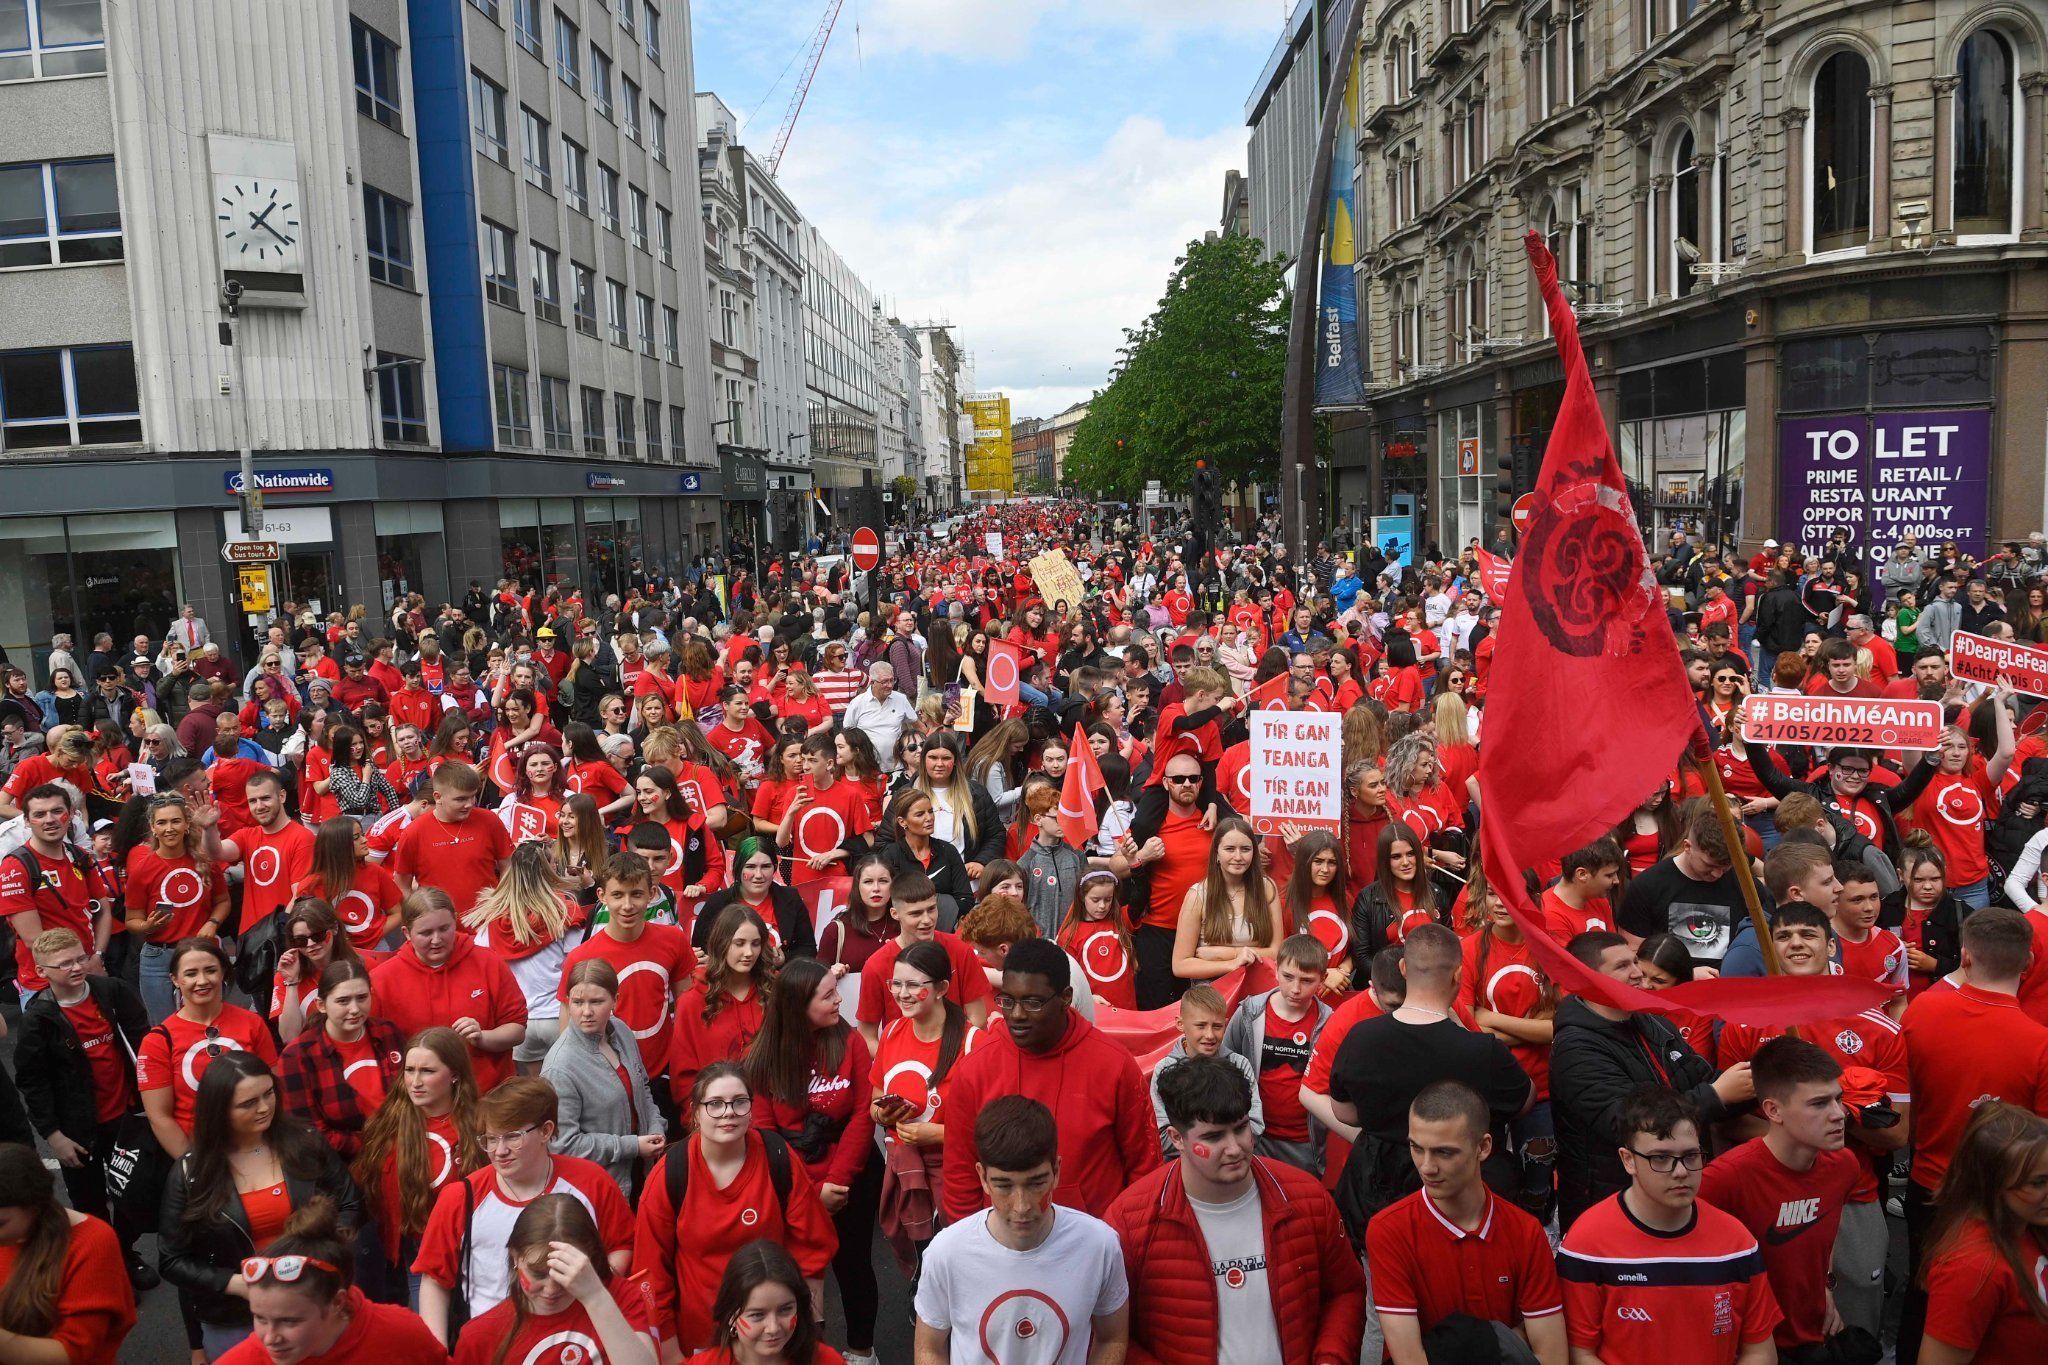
column 867, row 549
column 1868, row 722
column 1979, row 659
column 1297, row 766
column 1525, row 507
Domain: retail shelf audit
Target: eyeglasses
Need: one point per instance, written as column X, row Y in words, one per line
column 718, row 1109
column 1183, row 779
column 1847, row 771
column 1663, row 1162
column 1024, row 1004
column 286, row 1269
column 494, row 1141
column 893, row 985
column 69, row 964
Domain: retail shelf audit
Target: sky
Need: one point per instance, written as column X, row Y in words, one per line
column 1027, row 170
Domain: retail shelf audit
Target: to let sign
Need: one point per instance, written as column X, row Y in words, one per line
column 1978, row 659
column 1868, row 722
column 251, row 552
column 1296, row 767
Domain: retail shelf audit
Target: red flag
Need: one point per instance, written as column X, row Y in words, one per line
column 1588, row 706
column 1493, row 575
column 1270, row 694
column 1005, row 672
column 1078, row 821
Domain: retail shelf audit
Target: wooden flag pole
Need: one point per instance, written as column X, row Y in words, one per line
column 1745, row 875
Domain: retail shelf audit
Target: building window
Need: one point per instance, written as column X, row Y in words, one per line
column 672, row 334
column 651, row 411
column 575, row 176
column 547, row 283
column 526, row 26
column 600, row 81
column 556, row 432
column 81, row 396
column 608, row 196
column 728, row 318
column 1841, row 153
column 487, row 117
column 657, row 132
column 59, row 213
column 622, row 414
column 626, row 9
column 644, row 310
column 615, row 312
column 387, row 223
column 489, row 8
column 629, row 107
column 1575, row 57
column 499, row 247
column 735, row 413
column 586, row 299
column 675, row 434
column 44, row 39
column 515, row 419
column 665, row 235
column 636, row 203
column 376, row 73
column 1985, row 101
column 534, row 149
column 651, row 23
column 593, row 422
column 1688, row 225
column 568, row 52
column 400, row 406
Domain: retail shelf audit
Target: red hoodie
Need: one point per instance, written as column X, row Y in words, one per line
column 1097, row 1097
column 474, row 983
column 842, row 1098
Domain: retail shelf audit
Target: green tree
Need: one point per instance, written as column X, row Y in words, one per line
column 1199, row 379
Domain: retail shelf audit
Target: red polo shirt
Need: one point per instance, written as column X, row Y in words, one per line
column 1426, row 1267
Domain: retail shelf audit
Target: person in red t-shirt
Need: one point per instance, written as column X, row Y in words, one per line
column 48, row 883
column 741, row 737
column 826, row 812
column 451, row 847
column 275, row 851
column 1958, row 800
column 1983, row 1290
column 1174, row 846
column 1578, row 900
column 655, row 962
column 1789, row 1187
column 174, row 1055
column 93, row 1307
column 306, row 1309
column 914, row 905
column 567, row 1305
column 173, row 892
column 763, row 1313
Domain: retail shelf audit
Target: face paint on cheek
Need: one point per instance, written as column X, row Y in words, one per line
column 921, row 994
column 1202, row 1150
column 747, row 1330
column 530, row 1281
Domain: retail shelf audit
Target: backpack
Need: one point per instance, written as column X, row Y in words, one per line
column 675, row 1171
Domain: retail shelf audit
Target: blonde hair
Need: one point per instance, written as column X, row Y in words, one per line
column 528, row 900
column 1451, row 720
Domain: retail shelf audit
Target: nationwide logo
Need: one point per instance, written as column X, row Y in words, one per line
column 284, row 481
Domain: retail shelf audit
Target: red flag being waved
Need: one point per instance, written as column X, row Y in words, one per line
column 1078, row 821
column 1588, row 707
column 1493, row 576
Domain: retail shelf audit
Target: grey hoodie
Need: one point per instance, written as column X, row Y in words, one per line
column 596, row 1121
column 1175, row 1058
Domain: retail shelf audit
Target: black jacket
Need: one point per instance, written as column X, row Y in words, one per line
column 1781, row 620
column 1941, row 936
column 948, row 870
column 56, row 1078
column 202, row 1260
column 791, row 919
column 1373, row 920
column 1595, row 1065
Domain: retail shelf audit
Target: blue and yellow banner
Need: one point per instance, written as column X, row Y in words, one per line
column 1340, row 372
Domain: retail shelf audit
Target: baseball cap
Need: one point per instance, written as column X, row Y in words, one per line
column 99, row 825
column 544, row 634
column 1770, row 545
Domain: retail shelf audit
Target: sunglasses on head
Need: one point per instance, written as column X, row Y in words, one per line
column 285, row 1269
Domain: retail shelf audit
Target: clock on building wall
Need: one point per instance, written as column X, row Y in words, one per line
column 258, row 212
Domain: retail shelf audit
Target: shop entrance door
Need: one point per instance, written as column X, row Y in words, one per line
column 307, row 579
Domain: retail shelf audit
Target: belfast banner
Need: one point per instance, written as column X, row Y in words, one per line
column 1340, row 373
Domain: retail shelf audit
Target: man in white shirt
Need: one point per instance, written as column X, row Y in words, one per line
column 1016, row 1283
column 881, row 713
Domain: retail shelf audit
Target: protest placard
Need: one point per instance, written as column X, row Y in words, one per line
column 1057, row 582
column 1979, row 659
column 1297, row 771
column 1867, row 722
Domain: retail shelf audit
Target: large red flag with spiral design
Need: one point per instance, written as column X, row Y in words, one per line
column 1588, row 708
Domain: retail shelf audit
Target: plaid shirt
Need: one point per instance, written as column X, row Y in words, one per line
column 317, row 1088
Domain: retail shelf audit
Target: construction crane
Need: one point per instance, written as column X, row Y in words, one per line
column 812, row 56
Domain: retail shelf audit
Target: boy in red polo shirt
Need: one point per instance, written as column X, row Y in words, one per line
column 1455, row 1247
column 447, row 847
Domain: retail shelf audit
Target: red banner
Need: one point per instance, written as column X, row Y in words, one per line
column 1005, row 672
column 1975, row 658
column 1151, row 1034
column 1866, row 722
column 1493, row 575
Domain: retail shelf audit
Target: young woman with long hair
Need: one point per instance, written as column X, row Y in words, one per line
column 530, row 922
column 204, row 1028
column 1649, row 833
column 865, row 927
column 589, row 772
column 530, row 811
column 250, row 1168
column 582, row 847
column 562, row 1292
column 1984, row 1248
column 763, row 1313
column 925, row 1037
column 1404, row 893
column 1362, row 738
column 683, row 1250
column 316, row 941
column 659, row 800
column 64, row 1293
column 363, row 894
column 1314, row 901
column 355, row 779
column 1924, row 915
column 1457, row 756
column 1094, row 934
column 1510, row 997
column 425, row 1133
column 965, row 811
column 607, row 1113
column 308, row 1307
column 859, row 765
column 908, row 843
column 780, row 775
column 1231, row 918
column 717, row 1018
column 337, row 1071
column 454, row 741
column 802, row 707
column 754, row 886
column 809, row 1072
column 173, row 892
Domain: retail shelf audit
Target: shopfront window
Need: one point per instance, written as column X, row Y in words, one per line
column 124, row 572
column 410, row 544
column 558, row 540
column 1683, row 443
column 597, row 544
column 519, row 539
column 35, row 591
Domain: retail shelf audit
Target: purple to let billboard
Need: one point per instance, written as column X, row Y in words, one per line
column 1884, row 476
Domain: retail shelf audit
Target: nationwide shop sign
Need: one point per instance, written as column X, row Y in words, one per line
column 1866, row 722
column 1881, row 477
column 1297, row 766
column 1978, row 659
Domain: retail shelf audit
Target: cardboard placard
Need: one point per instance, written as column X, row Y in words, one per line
column 1979, row 659
column 1056, row 579
column 1297, row 771
column 1866, row 722
column 994, row 541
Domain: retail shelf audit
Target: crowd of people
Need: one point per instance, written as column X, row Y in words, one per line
column 552, row 980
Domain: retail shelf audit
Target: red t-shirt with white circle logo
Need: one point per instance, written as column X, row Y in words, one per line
column 154, row 880
column 58, row 892
column 904, row 1064
column 1954, row 809
column 372, row 895
column 564, row 1338
column 175, row 1055
column 272, row 867
column 1100, row 951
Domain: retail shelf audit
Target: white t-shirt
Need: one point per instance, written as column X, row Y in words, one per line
column 1236, row 1237
column 1022, row 1307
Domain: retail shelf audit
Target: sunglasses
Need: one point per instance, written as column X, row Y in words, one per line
column 285, row 1269
column 1187, row 780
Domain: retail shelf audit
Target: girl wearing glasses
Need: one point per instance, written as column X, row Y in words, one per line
column 306, row 1308
column 174, row 1057
column 732, row 1193
column 63, row 1291
column 250, row 1168
column 565, row 1299
column 424, row 1134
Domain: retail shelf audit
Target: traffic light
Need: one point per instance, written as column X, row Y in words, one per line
column 1504, row 486
column 1208, row 508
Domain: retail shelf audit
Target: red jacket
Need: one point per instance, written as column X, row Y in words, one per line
column 1100, row 1101
column 474, row 983
column 1317, row 1286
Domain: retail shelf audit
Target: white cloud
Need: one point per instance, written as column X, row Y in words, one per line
column 1004, row 30
column 1042, row 267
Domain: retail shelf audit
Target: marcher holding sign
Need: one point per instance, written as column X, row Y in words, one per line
column 1980, row 659
column 1297, row 762
column 994, row 541
column 1864, row 722
column 1057, row 581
